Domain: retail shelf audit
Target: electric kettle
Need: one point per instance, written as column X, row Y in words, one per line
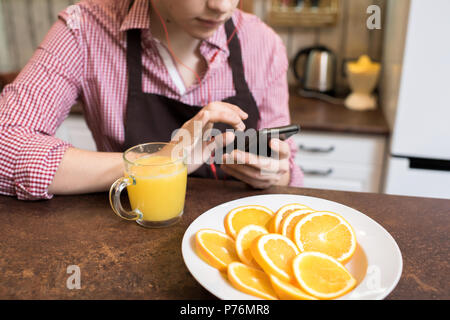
column 315, row 68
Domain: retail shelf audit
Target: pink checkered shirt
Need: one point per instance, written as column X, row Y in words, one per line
column 84, row 57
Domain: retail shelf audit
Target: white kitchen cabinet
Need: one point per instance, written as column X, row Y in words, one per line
column 75, row 131
column 340, row 161
column 404, row 179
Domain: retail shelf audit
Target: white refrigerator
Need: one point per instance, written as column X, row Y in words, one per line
column 415, row 92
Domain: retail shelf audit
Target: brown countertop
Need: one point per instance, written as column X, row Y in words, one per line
column 121, row 260
column 318, row 115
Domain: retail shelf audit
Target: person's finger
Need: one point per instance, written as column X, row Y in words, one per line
column 229, row 117
column 190, row 133
column 207, row 131
column 219, row 105
column 258, row 184
column 282, row 148
column 225, row 139
column 223, row 109
column 264, row 164
column 207, row 150
column 224, row 115
column 216, row 144
column 255, row 173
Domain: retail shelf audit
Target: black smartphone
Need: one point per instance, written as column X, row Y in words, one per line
column 257, row 142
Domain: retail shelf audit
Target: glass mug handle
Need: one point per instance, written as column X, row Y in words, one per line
column 114, row 199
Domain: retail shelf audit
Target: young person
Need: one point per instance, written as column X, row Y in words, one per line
column 136, row 66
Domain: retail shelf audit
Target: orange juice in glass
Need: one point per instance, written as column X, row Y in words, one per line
column 155, row 178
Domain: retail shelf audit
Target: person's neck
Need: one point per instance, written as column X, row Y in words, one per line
column 180, row 41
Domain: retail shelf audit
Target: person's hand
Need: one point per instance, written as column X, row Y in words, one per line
column 257, row 171
column 194, row 137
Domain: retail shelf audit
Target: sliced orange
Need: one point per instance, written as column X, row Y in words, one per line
column 240, row 217
column 244, row 240
column 287, row 291
column 274, row 253
column 326, row 232
column 321, row 275
column 282, row 213
column 251, row 281
column 217, row 248
column 288, row 223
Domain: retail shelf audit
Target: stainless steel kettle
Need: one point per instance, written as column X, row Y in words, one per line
column 315, row 68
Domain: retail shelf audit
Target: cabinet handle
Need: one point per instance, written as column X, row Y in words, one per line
column 316, row 149
column 320, row 173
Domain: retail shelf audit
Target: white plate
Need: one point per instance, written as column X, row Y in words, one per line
column 376, row 264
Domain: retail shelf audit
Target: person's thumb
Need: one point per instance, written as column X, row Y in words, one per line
column 216, row 145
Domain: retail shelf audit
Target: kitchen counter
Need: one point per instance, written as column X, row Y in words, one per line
column 121, row 260
column 317, row 115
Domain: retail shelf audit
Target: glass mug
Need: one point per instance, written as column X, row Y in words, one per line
column 155, row 178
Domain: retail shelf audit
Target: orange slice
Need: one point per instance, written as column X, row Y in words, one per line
column 240, row 217
column 326, row 232
column 282, row 213
column 321, row 275
column 287, row 291
column 244, row 240
column 251, row 281
column 288, row 223
column 274, row 253
column 217, row 248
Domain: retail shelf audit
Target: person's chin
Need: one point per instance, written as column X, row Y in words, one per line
column 203, row 34
column 202, row 30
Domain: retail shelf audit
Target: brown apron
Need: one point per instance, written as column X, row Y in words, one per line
column 153, row 117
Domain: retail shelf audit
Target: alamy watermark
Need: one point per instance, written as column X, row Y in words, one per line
column 374, row 20
column 74, row 280
column 373, row 278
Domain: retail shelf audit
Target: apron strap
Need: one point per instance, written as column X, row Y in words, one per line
column 235, row 58
column 134, row 63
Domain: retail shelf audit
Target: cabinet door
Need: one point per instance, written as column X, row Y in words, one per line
column 403, row 180
column 340, row 176
column 347, row 162
column 338, row 147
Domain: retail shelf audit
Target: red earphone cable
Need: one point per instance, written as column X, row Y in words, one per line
column 198, row 78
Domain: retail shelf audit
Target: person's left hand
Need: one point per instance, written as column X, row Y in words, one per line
column 257, row 171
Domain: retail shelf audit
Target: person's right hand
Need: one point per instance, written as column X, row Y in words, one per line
column 194, row 137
